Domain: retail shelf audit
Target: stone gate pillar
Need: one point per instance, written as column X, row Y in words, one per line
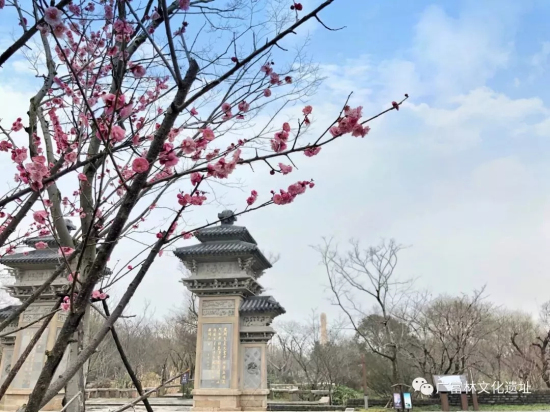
column 31, row 268
column 231, row 367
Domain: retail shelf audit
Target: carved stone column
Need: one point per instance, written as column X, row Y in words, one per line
column 31, row 268
column 257, row 313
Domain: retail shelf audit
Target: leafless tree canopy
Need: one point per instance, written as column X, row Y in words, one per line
column 415, row 333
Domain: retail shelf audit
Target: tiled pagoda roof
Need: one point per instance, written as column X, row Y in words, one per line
column 50, row 255
column 224, row 232
column 261, row 304
column 224, row 240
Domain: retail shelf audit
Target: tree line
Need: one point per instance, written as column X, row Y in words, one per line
column 398, row 332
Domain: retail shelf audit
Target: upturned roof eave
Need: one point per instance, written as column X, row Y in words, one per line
column 243, row 249
column 225, row 233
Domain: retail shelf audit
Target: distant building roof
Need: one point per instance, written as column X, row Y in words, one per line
column 261, row 304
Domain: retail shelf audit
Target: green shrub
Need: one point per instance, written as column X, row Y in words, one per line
column 341, row 394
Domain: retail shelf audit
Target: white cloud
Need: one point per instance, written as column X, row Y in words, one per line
column 459, row 53
column 539, row 60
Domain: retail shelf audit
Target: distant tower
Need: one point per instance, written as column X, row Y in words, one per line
column 324, row 338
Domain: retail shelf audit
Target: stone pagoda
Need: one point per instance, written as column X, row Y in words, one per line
column 31, row 269
column 234, row 319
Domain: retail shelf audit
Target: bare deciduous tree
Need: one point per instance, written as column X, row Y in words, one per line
column 368, row 275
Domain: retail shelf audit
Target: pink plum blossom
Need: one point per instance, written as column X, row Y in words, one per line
column 113, row 102
column 196, row 178
column 37, row 170
column 71, row 157
column 40, row 216
column 52, row 16
column 96, row 294
column 267, row 92
column 252, row 198
column 244, row 106
column 59, row 30
column 312, row 151
column 187, row 199
column 66, row 304
column 73, row 8
column 140, row 165
column 278, row 145
column 188, row 145
column 360, row 131
column 138, row 71
column 274, row 78
column 19, row 155
column 126, row 111
column 167, row 156
column 335, row 131
column 223, row 168
column 287, row 196
column 17, row 125
column 40, row 245
column 117, row 133
column 5, row 146
column 65, row 250
column 285, row 169
column 208, row 134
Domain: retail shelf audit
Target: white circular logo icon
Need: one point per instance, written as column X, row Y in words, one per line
column 422, row 385
column 426, row 389
column 418, row 382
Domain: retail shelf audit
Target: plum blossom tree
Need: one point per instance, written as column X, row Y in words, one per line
column 136, row 100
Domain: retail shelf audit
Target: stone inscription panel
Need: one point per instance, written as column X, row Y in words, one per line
column 30, row 371
column 256, row 320
column 209, row 269
column 218, row 308
column 7, row 356
column 217, row 341
column 34, row 313
column 252, row 368
column 34, row 276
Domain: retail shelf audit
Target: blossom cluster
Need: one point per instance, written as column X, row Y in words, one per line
column 350, row 123
column 287, row 196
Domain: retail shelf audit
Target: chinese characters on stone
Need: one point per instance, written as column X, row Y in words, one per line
column 216, row 368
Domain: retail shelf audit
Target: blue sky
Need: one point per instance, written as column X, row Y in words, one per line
column 460, row 173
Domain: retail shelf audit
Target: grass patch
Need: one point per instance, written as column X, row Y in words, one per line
column 433, row 408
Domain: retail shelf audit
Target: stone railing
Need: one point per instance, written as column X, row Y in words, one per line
column 129, row 393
